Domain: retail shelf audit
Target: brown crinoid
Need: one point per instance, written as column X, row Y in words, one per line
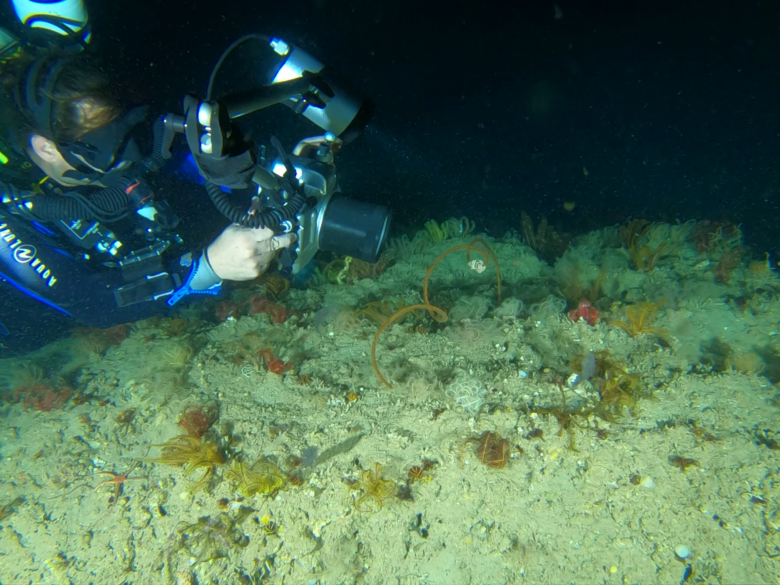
column 493, row 450
column 191, row 453
column 375, row 490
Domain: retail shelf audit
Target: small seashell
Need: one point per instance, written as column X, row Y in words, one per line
column 682, row 552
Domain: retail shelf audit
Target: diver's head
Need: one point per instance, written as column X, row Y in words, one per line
column 75, row 114
column 69, row 123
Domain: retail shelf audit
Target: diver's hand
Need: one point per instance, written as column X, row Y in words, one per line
column 241, row 253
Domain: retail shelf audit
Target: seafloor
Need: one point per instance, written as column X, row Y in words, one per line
column 534, row 440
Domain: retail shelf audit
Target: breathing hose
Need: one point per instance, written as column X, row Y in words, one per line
column 270, row 218
column 107, row 205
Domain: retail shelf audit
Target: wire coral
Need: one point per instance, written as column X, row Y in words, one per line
column 378, row 311
column 639, row 316
column 477, row 245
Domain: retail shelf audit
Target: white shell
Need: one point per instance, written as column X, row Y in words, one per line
column 682, row 552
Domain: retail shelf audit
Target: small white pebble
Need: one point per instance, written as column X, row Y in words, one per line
column 648, row 483
column 682, row 552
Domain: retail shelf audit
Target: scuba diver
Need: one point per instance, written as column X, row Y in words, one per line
column 91, row 239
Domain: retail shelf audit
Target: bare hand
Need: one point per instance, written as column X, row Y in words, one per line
column 241, row 253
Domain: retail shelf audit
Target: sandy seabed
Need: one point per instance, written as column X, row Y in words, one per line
column 578, row 497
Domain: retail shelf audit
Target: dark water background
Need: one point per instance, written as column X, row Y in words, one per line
column 485, row 108
column 489, row 108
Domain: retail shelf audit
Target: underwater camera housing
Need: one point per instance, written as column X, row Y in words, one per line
column 328, row 220
column 295, row 192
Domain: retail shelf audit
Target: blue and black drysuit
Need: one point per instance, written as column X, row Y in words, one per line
column 54, row 250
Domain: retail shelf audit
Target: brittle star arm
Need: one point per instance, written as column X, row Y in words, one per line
column 118, row 479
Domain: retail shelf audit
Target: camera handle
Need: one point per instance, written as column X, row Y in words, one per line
column 225, row 159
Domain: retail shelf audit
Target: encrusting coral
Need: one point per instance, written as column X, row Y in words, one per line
column 436, row 313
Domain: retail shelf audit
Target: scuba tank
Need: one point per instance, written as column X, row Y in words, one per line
column 66, row 18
